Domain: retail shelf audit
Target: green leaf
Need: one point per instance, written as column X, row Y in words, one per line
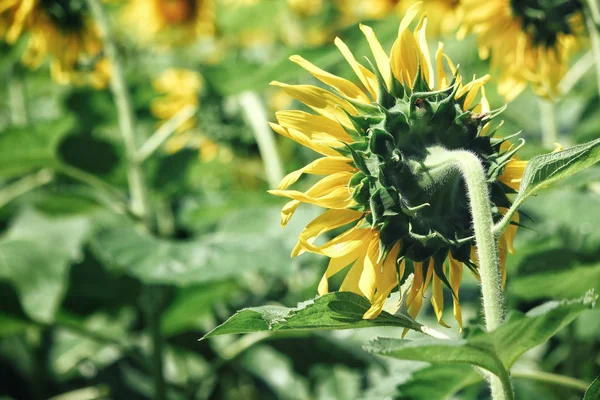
column 593, row 392
column 236, row 247
column 496, row 351
column 339, row 310
column 567, row 283
column 438, row 382
column 546, row 169
column 277, row 371
column 35, row 256
column 440, row 351
column 24, row 149
column 192, row 305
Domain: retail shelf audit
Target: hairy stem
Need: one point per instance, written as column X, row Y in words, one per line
column 256, row 116
column 118, row 85
column 487, row 248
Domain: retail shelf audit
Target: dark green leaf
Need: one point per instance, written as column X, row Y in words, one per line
column 567, row 283
column 439, row 351
column 593, row 392
column 35, row 255
column 496, row 351
column 546, row 169
column 340, row 310
column 27, row 148
column 236, row 247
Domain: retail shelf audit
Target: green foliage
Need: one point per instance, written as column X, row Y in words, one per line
column 496, row 351
column 593, row 392
column 36, row 254
column 85, row 289
column 24, row 149
column 341, row 310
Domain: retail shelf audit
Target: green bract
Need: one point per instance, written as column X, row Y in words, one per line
column 401, row 186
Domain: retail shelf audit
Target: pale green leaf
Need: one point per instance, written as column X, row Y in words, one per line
column 567, row 283
column 496, row 351
column 237, row 246
column 35, row 256
column 546, row 169
column 339, row 310
column 24, row 149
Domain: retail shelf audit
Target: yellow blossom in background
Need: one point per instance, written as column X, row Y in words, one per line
column 56, row 31
column 442, row 15
column 378, row 246
column 181, row 88
column 353, row 11
column 171, row 21
column 528, row 42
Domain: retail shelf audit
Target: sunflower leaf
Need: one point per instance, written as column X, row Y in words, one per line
column 593, row 392
column 549, row 168
column 339, row 310
column 496, row 351
column 24, row 149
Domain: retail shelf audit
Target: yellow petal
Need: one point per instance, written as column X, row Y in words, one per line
column 346, row 87
column 386, row 281
column 381, row 58
column 361, row 73
column 341, row 244
column 321, row 101
column 287, row 211
column 321, row 166
column 437, row 300
column 512, row 174
column 304, row 140
column 455, row 279
column 368, row 279
column 310, row 124
column 426, row 66
column 330, row 219
column 337, row 264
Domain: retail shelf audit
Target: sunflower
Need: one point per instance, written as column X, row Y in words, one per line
column 61, row 31
column 528, row 41
column 181, row 88
column 375, row 137
column 442, row 15
column 178, row 21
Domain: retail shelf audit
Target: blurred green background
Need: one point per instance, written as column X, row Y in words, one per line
column 83, row 290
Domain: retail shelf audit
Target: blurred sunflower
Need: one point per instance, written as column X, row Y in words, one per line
column 177, row 21
column 528, row 41
column 61, row 31
column 181, row 88
column 442, row 15
column 377, row 140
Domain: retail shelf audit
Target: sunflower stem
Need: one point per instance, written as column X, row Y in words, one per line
column 255, row 114
column 590, row 12
column 118, row 85
column 140, row 204
column 548, row 122
column 17, row 99
column 26, row 184
column 475, row 179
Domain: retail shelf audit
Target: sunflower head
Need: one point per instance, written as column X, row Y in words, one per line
column 382, row 143
column 174, row 21
column 529, row 41
column 61, row 31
